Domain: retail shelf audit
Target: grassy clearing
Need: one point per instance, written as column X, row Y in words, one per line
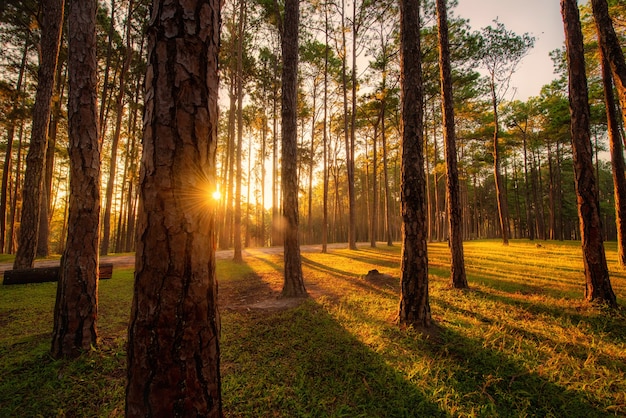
column 521, row 342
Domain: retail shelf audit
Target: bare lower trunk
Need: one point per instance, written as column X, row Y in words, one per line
column 76, row 308
column 414, row 306
column 598, row 286
column 173, row 340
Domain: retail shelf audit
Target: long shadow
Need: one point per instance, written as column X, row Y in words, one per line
column 606, row 323
column 301, row 362
column 504, row 386
column 244, row 286
column 349, row 277
column 497, row 384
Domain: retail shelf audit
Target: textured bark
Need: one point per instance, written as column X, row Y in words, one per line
column 617, row 160
column 35, row 159
column 598, row 286
column 612, row 49
column 173, row 343
column 294, row 283
column 76, row 309
column 606, row 35
column 414, row 302
column 457, row 263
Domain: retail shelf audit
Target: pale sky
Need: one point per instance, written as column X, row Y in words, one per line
column 540, row 18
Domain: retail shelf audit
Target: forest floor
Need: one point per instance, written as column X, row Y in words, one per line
column 520, row 342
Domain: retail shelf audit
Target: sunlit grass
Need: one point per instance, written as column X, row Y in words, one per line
column 520, row 342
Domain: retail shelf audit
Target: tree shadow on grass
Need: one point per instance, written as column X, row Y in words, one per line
column 301, row 362
column 605, row 323
column 503, row 386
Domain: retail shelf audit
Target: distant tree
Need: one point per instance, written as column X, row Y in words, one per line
column 52, row 19
column 598, row 286
column 414, row 301
column 173, row 338
column 119, row 104
column 294, row 283
column 455, row 221
column 8, row 159
column 501, row 52
column 76, row 309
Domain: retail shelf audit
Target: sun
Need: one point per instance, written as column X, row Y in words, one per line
column 216, row 195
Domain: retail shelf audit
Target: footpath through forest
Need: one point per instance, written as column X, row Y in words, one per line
column 128, row 260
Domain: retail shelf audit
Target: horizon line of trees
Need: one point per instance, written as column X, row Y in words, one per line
column 337, row 117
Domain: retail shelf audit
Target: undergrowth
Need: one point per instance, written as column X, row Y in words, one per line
column 520, row 342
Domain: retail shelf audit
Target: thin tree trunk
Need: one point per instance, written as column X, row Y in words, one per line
column 294, row 282
column 6, row 171
column 500, row 195
column 598, row 285
column 325, row 138
column 17, row 198
column 35, row 160
column 455, row 222
column 173, row 339
column 414, row 301
column 237, row 256
column 617, row 159
column 107, row 69
column 106, row 222
column 76, row 309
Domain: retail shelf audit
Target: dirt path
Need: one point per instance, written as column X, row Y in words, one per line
column 128, row 260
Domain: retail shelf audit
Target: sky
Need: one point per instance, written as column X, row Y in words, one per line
column 540, row 18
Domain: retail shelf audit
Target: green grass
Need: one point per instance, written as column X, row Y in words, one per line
column 521, row 342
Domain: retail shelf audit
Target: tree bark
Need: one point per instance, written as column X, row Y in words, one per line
column 414, row 301
column 173, row 343
column 617, row 159
column 76, row 309
column 458, row 277
column 35, row 159
column 612, row 49
column 598, row 286
column 294, row 283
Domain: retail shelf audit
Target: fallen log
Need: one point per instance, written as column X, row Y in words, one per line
column 47, row 274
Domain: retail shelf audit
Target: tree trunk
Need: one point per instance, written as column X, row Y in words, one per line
column 617, row 159
column 598, row 286
column 455, row 222
column 414, row 302
column 6, row 170
column 106, row 222
column 612, row 49
column 17, row 198
column 173, row 343
column 325, row 138
column 527, row 190
column 503, row 210
column 35, row 159
column 76, row 308
column 107, row 68
column 294, row 283
column 388, row 203
column 237, row 256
